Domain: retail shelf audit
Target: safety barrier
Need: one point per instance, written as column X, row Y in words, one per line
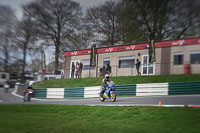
column 152, row 89
column 74, row 93
column 123, row 90
column 55, row 93
column 40, row 93
column 91, row 91
column 126, row 90
column 184, row 88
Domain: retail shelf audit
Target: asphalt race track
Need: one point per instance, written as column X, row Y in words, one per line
column 8, row 98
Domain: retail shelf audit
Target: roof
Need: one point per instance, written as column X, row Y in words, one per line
column 132, row 47
column 3, row 72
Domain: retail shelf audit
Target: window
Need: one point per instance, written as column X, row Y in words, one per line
column 3, row 76
column 178, row 58
column 195, row 57
column 106, row 61
column 126, row 62
column 86, row 65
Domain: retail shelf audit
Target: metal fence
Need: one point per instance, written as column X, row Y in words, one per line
column 145, row 69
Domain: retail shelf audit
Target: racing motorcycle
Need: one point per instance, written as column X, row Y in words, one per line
column 109, row 93
column 28, row 94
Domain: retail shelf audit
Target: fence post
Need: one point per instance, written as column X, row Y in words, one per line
column 89, row 72
column 116, row 70
column 132, row 71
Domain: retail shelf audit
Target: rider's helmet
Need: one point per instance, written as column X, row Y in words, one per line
column 107, row 77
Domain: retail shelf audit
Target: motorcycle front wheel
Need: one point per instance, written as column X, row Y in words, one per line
column 26, row 95
column 113, row 97
column 29, row 98
column 101, row 98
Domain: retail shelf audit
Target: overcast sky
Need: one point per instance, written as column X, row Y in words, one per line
column 16, row 5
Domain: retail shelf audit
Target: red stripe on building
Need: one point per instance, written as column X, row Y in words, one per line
column 171, row 43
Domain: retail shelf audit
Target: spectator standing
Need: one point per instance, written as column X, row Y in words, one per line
column 73, row 69
column 100, row 72
column 77, row 70
column 138, row 63
column 108, row 69
column 104, row 71
column 80, row 69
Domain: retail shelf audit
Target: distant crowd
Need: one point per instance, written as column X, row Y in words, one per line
column 105, row 70
column 76, row 70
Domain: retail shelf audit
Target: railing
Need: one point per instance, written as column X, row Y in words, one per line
column 155, row 69
column 40, row 93
column 74, row 93
column 154, row 89
column 184, row 88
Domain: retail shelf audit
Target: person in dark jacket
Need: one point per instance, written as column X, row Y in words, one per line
column 108, row 69
column 73, row 69
column 80, row 69
column 138, row 63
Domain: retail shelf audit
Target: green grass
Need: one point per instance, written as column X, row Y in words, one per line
column 85, row 82
column 86, row 119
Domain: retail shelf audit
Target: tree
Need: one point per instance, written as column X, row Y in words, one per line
column 159, row 19
column 55, row 20
column 26, row 39
column 104, row 22
column 83, row 39
column 35, row 65
column 7, row 25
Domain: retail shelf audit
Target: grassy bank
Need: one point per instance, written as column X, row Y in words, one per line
column 75, row 119
column 85, row 82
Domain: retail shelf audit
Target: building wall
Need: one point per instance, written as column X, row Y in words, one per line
column 158, row 61
column 4, row 76
column 165, row 61
column 114, row 62
column 163, row 65
column 67, row 66
column 85, row 73
column 179, row 69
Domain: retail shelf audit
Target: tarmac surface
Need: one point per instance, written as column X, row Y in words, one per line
column 12, row 97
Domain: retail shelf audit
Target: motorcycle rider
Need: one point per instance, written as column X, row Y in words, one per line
column 105, row 82
column 29, row 88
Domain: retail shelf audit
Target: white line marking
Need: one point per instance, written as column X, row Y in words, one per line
column 135, row 105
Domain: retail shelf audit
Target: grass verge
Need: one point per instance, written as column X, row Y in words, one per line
column 86, row 119
column 85, row 82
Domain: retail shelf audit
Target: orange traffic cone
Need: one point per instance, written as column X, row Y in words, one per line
column 159, row 103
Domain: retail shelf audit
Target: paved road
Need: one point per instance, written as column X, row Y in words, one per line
column 8, row 98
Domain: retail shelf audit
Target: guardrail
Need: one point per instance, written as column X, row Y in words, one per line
column 123, row 90
column 91, row 91
column 155, row 89
column 126, row 90
column 55, row 93
column 74, row 93
column 184, row 88
column 40, row 93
